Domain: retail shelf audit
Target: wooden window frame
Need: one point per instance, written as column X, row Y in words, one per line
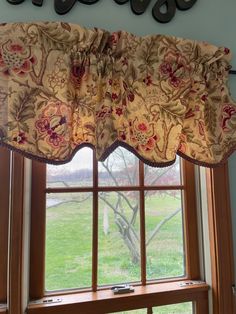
column 222, row 260
column 38, row 226
column 4, row 219
column 221, row 240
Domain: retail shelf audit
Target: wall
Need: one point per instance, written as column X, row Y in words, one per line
column 212, row 20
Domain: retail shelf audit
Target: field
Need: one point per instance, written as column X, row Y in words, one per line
column 69, row 242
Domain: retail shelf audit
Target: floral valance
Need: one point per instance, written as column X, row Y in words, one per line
column 63, row 86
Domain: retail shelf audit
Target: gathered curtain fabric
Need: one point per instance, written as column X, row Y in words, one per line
column 63, row 87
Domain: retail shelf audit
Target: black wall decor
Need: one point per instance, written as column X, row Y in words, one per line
column 137, row 6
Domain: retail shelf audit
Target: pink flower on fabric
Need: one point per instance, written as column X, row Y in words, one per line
column 54, row 123
column 142, row 127
column 43, row 125
column 16, row 59
column 142, row 135
column 174, row 68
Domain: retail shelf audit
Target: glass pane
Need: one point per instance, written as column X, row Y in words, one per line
column 140, row 311
column 163, row 176
column 181, row 308
column 120, row 168
column 68, row 241
column 164, row 234
column 78, row 172
column 119, row 247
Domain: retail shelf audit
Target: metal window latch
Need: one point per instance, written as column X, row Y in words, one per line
column 191, row 283
column 119, row 289
column 234, row 289
column 47, row 301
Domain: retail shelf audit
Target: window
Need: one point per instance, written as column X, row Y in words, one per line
column 159, row 294
column 96, row 225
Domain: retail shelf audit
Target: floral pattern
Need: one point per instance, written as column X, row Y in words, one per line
column 15, row 58
column 63, row 86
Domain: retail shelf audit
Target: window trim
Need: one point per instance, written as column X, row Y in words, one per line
column 4, row 218
column 144, row 297
column 221, row 239
column 16, row 245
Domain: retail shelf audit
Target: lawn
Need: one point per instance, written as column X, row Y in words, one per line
column 69, row 243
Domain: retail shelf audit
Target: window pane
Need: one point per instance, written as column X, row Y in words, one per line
column 163, row 176
column 120, row 168
column 164, row 234
column 119, row 247
column 140, row 311
column 78, row 172
column 68, row 240
column 181, row 308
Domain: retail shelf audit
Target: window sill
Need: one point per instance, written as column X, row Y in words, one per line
column 3, row 309
column 105, row 301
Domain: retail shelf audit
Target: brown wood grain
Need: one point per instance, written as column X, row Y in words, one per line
column 16, row 235
column 105, row 302
column 221, row 247
column 38, row 230
column 190, row 222
column 4, row 218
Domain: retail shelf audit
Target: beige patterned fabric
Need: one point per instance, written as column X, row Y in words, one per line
column 63, row 86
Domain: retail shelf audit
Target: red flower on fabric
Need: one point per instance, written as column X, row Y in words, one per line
column 54, row 123
column 166, row 68
column 55, row 139
column 182, row 146
column 131, row 96
column 142, row 135
column 228, row 112
column 114, row 96
column 77, row 73
column 16, row 59
column 147, row 80
column 174, row 68
column 204, row 97
column 119, row 111
column 43, row 125
column 142, row 127
column 226, row 50
column 20, row 138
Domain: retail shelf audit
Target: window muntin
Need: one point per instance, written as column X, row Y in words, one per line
column 121, row 192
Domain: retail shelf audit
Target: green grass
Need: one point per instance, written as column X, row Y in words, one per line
column 69, row 245
column 182, row 308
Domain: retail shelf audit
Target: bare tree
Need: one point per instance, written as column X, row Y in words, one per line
column 122, row 169
column 126, row 166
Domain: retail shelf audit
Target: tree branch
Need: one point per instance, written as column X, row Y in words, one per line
column 161, row 224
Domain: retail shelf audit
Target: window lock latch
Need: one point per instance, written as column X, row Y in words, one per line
column 47, row 301
column 120, row 289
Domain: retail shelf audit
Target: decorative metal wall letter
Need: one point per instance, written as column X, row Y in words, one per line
column 137, row 6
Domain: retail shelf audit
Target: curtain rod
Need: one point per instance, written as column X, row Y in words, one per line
column 232, row 71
